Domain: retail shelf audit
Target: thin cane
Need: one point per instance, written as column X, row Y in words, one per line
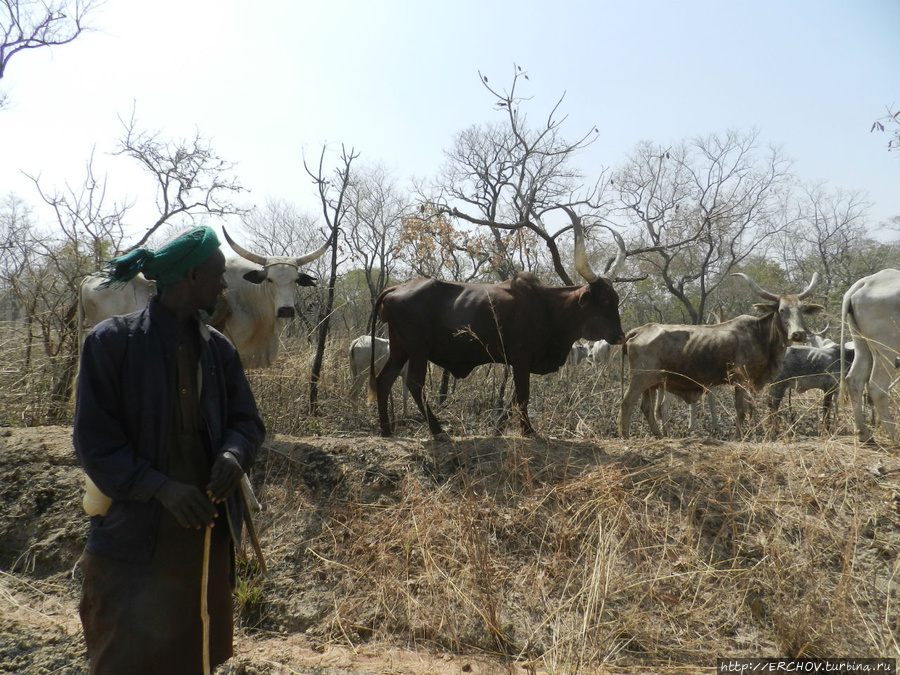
column 204, row 609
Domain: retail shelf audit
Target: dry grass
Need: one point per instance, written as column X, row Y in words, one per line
column 563, row 554
column 573, row 549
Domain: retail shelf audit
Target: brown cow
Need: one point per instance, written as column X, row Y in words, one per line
column 746, row 351
column 520, row 322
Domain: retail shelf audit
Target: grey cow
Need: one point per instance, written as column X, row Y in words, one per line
column 806, row 368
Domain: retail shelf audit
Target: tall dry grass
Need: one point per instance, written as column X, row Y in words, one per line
column 577, row 402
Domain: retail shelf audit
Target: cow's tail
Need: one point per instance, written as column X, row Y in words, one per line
column 376, row 309
column 846, row 318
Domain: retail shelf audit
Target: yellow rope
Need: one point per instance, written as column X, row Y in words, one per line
column 204, row 609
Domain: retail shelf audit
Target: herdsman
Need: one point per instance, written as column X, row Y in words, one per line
column 165, row 426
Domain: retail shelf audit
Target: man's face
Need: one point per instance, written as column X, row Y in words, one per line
column 209, row 282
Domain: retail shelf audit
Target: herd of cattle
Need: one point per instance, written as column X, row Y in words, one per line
column 535, row 328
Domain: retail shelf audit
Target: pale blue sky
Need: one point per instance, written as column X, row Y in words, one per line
column 397, row 79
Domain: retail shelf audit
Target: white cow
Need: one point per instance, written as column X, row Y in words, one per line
column 361, row 356
column 601, row 353
column 871, row 308
column 96, row 304
column 260, row 300
column 578, row 353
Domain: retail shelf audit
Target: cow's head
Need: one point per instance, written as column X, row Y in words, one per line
column 789, row 308
column 279, row 274
column 599, row 299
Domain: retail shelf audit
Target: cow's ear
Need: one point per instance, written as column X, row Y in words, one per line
column 813, row 309
column 585, row 297
column 305, row 280
column 766, row 307
column 255, row 276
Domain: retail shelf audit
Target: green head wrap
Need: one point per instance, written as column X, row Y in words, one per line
column 167, row 265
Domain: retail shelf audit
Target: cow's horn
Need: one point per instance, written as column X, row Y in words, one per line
column 815, row 280
column 309, row 257
column 619, row 263
column 764, row 294
column 581, row 261
column 244, row 253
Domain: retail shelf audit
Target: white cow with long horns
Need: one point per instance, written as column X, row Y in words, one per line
column 255, row 306
column 260, row 300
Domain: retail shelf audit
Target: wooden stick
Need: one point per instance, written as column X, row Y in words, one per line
column 204, row 606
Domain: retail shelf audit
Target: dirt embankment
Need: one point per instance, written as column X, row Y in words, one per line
column 504, row 554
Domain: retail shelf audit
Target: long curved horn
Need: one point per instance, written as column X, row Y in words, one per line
column 815, row 280
column 619, row 263
column 764, row 294
column 309, row 257
column 581, row 261
column 244, row 253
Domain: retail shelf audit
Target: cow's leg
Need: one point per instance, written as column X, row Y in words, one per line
column 826, row 409
column 652, row 400
column 640, row 383
column 356, row 381
column 712, row 404
column 857, row 376
column 879, row 392
column 383, row 384
column 695, row 417
column 522, row 382
column 741, row 407
column 415, row 382
column 405, row 391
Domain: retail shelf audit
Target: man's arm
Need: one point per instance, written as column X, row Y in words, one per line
column 244, row 430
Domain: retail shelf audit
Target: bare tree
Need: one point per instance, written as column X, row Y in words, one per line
column 16, row 226
column 376, row 209
column 827, row 232
column 512, row 175
column 31, row 24
column 191, row 179
column 88, row 223
column 43, row 272
column 702, row 207
column 280, row 228
column 332, row 196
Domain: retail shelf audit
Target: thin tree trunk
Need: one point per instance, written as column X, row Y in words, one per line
column 324, row 325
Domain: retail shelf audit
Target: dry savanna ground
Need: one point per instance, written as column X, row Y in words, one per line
column 571, row 552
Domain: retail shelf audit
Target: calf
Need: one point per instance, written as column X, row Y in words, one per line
column 360, row 355
column 806, row 368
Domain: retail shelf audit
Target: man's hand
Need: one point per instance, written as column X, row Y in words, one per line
column 187, row 503
column 224, row 478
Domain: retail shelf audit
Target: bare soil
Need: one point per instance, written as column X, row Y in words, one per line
column 503, row 554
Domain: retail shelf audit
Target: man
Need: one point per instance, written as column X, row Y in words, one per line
column 165, row 425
